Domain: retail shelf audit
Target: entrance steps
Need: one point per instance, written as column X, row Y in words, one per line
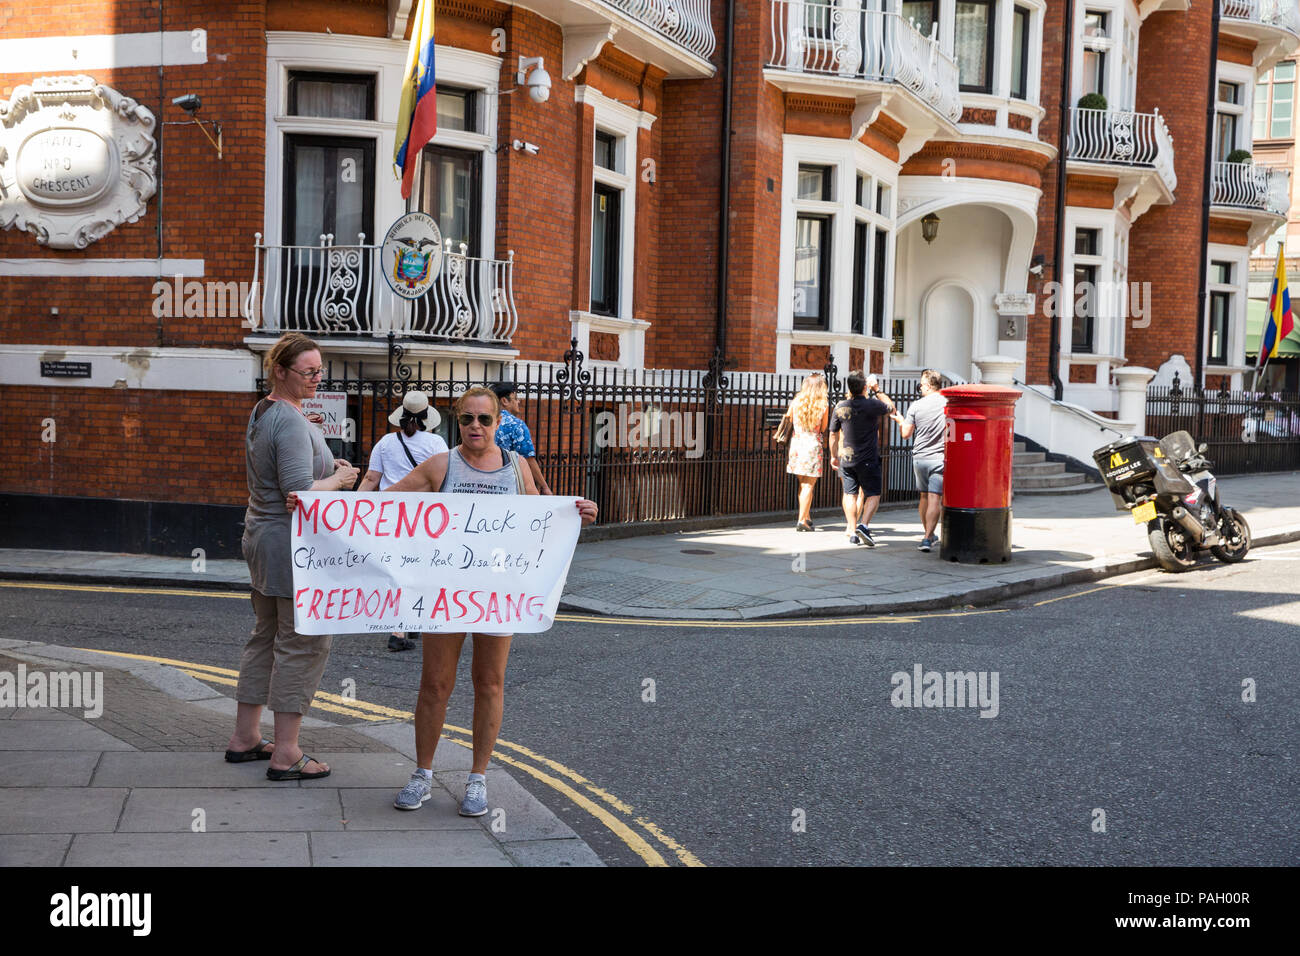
column 1033, row 474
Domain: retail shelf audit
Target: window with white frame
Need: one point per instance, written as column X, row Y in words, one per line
column 872, row 229
column 813, row 234
column 1121, row 294
column 973, row 46
column 329, row 180
column 1107, row 57
column 1128, row 59
column 1222, row 300
column 1021, row 24
column 1274, row 106
column 606, row 224
column 1088, row 262
column 996, row 44
column 450, row 178
column 1097, row 46
column 613, row 202
column 328, row 91
column 1228, row 111
column 841, row 239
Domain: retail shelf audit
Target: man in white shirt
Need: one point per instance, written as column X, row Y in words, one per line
column 398, row 453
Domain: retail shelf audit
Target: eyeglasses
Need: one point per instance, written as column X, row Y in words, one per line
column 308, row 373
column 465, row 418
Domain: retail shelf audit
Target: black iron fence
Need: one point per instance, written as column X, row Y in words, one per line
column 646, row 445
column 1246, row 431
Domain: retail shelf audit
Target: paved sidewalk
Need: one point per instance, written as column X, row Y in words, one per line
column 131, row 786
column 773, row 571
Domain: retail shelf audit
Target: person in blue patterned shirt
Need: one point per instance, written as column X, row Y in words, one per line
column 513, row 435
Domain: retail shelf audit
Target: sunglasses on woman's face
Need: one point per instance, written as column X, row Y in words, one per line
column 465, row 418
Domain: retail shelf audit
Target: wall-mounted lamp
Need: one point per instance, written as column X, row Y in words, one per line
column 538, row 81
column 929, row 227
column 191, row 104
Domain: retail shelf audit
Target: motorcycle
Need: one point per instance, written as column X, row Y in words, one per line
column 1168, row 487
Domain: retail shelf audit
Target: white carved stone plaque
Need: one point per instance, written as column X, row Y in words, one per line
column 76, row 160
column 1014, row 303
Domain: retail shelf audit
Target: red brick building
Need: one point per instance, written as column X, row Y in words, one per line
column 890, row 204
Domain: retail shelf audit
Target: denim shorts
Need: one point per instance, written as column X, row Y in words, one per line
column 929, row 474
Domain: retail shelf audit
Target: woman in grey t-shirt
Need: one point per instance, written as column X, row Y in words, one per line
column 281, row 668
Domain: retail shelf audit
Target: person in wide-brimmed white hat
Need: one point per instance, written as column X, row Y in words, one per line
column 398, row 453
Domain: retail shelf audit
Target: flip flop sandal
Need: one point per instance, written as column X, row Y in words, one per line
column 257, row 753
column 295, row 772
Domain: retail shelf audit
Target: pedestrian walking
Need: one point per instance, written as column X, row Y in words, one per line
column 855, row 451
column 513, row 434
column 927, row 420
column 476, row 466
column 281, row 668
column 398, row 453
column 808, row 413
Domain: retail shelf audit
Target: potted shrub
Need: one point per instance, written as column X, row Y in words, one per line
column 1239, row 156
column 1092, row 101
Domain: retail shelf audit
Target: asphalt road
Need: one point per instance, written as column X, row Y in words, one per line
column 1119, row 702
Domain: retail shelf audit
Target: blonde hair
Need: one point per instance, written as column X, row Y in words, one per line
column 285, row 352
column 478, row 391
column 809, row 405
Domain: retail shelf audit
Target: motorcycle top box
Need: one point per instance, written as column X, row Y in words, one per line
column 1139, row 460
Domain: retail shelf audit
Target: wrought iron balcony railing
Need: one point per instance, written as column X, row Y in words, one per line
column 687, row 22
column 1122, row 138
column 1283, row 14
column 333, row 289
column 845, row 41
column 1246, row 186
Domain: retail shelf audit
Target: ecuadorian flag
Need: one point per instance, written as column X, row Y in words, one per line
column 417, row 117
column 1280, row 321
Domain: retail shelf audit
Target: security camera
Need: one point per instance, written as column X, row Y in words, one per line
column 190, row 103
column 531, row 149
column 538, row 81
column 1036, row 269
column 539, row 85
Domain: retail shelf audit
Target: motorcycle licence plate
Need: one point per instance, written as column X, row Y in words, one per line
column 1144, row 512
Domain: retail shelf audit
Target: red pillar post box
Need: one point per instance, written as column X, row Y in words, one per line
column 977, row 473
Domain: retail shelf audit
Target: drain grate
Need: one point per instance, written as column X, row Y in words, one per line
column 696, row 551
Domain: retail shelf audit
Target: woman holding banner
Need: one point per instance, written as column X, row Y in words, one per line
column 475, row 466
column 283, row 453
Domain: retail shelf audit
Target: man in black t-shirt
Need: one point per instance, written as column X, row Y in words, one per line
column 855, row 451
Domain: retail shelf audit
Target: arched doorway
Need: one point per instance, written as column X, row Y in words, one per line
column 948, row 326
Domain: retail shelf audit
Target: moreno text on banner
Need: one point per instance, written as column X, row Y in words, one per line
column 446, row 563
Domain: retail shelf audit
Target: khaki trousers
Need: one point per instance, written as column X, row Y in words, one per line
column 280, row 668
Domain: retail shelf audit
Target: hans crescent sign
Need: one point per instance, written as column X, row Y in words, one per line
column 76, row 160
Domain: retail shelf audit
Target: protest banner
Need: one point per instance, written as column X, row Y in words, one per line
column 445, row 563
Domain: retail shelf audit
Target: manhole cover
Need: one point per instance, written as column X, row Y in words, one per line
column 696, row 551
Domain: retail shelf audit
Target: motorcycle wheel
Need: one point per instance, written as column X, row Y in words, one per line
column 1171, row 546
column 1236, row 535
